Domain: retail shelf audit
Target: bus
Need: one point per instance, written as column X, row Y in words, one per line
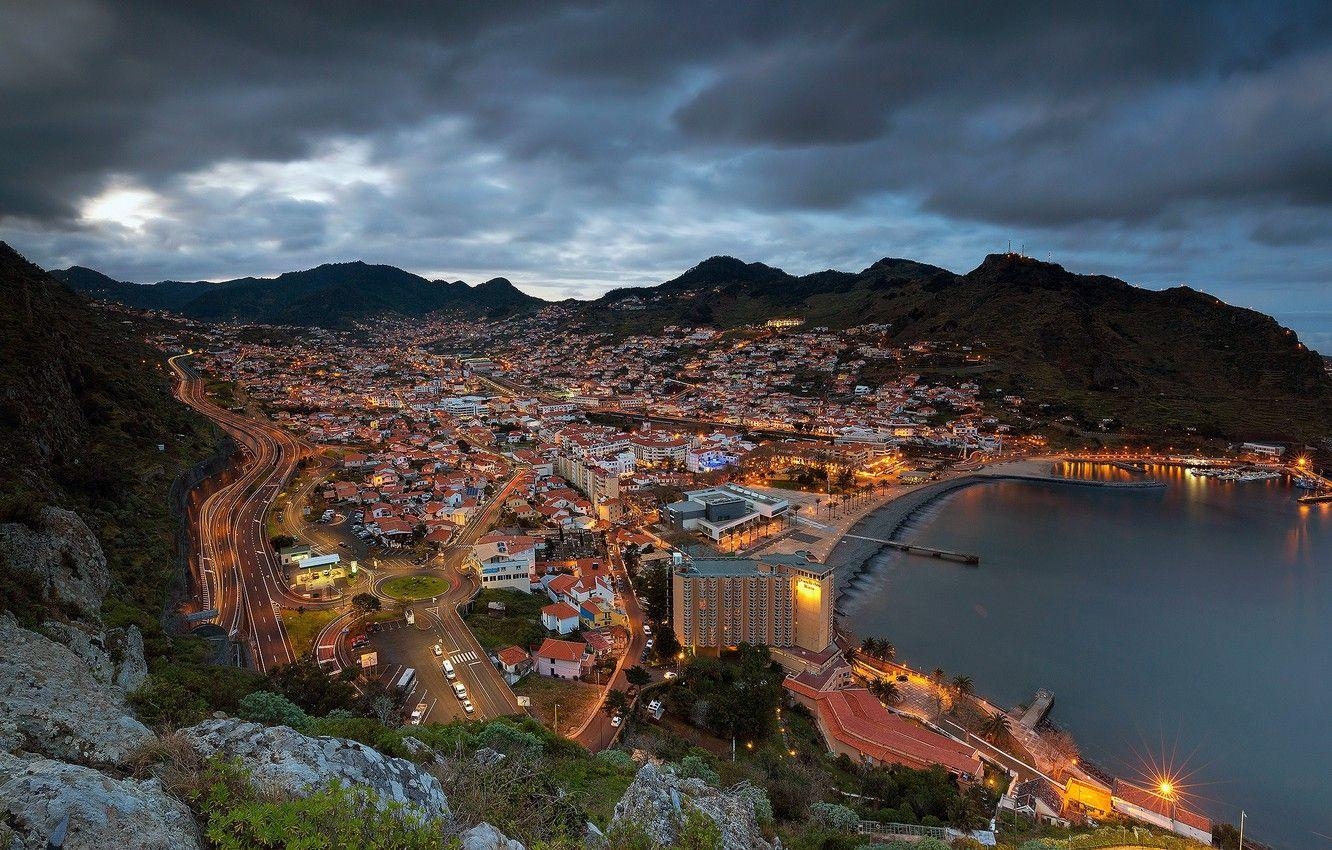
column 406, row 680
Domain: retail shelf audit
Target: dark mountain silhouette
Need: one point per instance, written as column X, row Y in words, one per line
column 336, row 294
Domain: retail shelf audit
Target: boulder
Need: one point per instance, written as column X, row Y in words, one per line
column 36, row 795
column 280, row 759
column 51, row 703
column 126, row 648
column 658, row 798
column 483, row 836
column 61, row 559
column 114, row 657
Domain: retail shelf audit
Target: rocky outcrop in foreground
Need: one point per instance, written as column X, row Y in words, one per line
column 61, row 560
column 658, row 798
column 37, row 795
column 281, row 760
column 51, row 703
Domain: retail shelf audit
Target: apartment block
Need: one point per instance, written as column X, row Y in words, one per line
column 774, row 600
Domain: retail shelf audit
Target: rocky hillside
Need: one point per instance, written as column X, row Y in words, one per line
column 75, row 764
column 332, row 295
column 87, row 424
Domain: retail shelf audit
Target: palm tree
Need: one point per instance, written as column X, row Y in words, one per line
column 962, row 684
column 885, row 690
column 995, row 728
column 938, row 675
column 887, row 651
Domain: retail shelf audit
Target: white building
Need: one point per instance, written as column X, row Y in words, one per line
column 505, row 560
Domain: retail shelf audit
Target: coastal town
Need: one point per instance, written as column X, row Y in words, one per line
column 489, row 520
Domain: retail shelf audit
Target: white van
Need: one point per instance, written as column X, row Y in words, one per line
column 407, row 679
column 411, row 617
column 448, row 669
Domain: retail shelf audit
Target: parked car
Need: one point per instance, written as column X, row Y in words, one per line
column 654, row 706
column 418, row 714
column 438, row 650
column 670, row 674
column 460, row 690
column 616, row 720
column 468, row 707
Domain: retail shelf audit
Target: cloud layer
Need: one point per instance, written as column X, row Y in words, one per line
column 577, row 146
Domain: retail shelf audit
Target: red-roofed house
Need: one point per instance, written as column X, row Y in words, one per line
column 562, row 659
column 853, row 722
column 560, row 617
column 514, row 663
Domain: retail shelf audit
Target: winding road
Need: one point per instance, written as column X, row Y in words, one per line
column 239, row 575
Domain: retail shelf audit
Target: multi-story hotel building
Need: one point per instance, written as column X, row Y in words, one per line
column 778, row 601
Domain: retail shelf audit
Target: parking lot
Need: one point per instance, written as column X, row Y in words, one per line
column 401, row 646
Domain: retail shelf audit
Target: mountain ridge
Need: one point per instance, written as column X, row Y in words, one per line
column 1092, row 347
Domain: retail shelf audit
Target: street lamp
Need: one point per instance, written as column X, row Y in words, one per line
column 1166, row 789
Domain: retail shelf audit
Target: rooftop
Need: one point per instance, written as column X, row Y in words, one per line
column 734, row 567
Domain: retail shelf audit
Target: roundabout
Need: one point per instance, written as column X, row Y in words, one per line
column 412, row 588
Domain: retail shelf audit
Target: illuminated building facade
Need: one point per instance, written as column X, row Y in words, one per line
column 772, row 600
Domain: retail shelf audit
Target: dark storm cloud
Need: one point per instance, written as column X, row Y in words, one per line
column 580, row 145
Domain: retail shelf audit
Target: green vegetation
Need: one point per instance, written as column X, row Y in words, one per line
column 520, row 625
column 237, row 817
column 544, row 790
column 733, row 697
column 409, row 588
column 303, row 627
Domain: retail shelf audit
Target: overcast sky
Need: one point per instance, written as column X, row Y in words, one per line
column 576, row 146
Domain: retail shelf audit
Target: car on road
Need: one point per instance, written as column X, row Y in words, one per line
column 411, row 617
column 468, row 707
column 418, row 714
column 460, row 690
column 437, row 649
column 342, row 544
column 670, row 674
column 902, row 677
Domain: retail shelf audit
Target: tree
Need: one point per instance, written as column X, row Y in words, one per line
column 310, row 687
column 366, row 602
column 885, row 690
column 272, row 710
column 995, row 728
column 637, row 676
column 696, row 767
column 282, row 541
column 617, row 702
column 834, row 816
column 962, row 684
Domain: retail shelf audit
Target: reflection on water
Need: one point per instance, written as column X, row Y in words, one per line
column 1196, row 619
